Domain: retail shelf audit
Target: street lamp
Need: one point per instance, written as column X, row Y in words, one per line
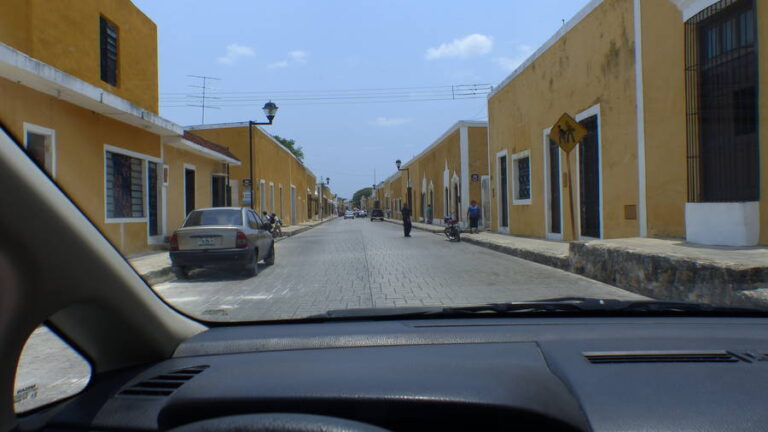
column 397, row 164
column 321, row 184
column 270, row 110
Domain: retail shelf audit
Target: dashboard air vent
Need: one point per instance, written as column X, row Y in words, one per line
column 661, row 357
column 165, row 384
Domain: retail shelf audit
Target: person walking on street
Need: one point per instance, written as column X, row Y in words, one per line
column 473, row 214
column 429, row 214
column 406, row 213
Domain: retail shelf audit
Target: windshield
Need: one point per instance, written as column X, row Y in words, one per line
column 431, row 154
column 214, row 217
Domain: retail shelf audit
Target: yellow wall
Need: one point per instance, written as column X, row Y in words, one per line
column 431, row 165
column 80, row 139
column 593, row 64
column 271, row 163
column 665, row 134
column 66, row 35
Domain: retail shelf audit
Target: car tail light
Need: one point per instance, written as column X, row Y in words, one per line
column 174, row 242
column 241, row 241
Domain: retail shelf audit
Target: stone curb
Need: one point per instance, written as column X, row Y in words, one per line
column 655, row 276
column 165, row 274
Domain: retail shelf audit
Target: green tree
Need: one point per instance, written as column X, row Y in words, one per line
column 362, row 193
column 291, row 145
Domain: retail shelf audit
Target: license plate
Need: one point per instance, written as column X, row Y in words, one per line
column 206, row 241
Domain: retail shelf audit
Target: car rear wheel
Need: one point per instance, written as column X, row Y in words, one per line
column 252, row 268
column 180, row 272
column 270, row 259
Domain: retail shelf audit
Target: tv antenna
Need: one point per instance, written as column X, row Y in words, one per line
column 203, row 96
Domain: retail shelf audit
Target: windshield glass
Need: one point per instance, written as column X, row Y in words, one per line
column 214, row 217
column 378, row 155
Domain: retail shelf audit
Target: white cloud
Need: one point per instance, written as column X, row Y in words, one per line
column 298, row 56
column 235, row 51
column 277, row 65
column 389, row 122
column 294, row 57
column 511, row 63
column 468, row 46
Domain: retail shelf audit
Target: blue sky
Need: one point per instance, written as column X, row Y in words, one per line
column 294, row 49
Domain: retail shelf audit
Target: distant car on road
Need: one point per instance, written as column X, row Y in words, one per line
column 349, row 214
column 223, row 237
column 362, row 213
column 377, row 214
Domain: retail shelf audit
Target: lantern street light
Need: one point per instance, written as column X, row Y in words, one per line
column 270, row 110
column 321, row 184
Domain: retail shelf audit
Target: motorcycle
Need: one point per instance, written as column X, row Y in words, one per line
column 452, row 230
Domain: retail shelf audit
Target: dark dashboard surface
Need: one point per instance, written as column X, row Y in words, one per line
column 483, row 374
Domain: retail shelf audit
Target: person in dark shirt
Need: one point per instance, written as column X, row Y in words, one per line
column 473, row 214
column 406, row 213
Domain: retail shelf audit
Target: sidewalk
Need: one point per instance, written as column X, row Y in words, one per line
column 658, row 268
column 155, row 267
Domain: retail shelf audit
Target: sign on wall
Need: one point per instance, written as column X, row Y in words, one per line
column 475, row 177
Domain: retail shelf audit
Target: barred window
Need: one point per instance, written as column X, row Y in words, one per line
column 125, row 188
column 524, row 178
column 108, row 52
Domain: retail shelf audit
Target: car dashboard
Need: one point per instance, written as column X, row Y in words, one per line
column 619, row 373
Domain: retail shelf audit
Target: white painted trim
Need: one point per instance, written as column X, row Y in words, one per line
column 547, row 189
column 571, row 23
column 133, row 154
column 589, row 112
column 20, row 68
column 723, row 224
column 502, row 229
column 184, row 184
column 690, row 8
column 642, row 214
column 160, row 237
column 515, row 186
column 464, row 163
column 51, row 134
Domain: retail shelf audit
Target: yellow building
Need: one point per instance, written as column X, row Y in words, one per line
column 444, row 178
column 669, row 153
column 78, row 89
column 282, row 184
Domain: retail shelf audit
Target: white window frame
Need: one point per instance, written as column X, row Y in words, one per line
column 502, row 229
column 516, row 177
column 50, row 135
column 184, row 187
column 547, row 198
column 589, row 112
column 144, row 158
column 160, row 237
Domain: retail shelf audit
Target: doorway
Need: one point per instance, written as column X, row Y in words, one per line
column 189, row 189
column 485, row 201
column 503, row 188
column 293, row 205
column 553, row 188
column 218, row 190
column 589, row 180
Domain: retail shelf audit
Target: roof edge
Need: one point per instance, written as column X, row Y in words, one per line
column 570, row 24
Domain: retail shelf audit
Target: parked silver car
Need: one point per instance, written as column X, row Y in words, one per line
column 221, row 237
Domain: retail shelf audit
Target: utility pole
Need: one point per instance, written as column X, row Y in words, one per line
column 204, row 94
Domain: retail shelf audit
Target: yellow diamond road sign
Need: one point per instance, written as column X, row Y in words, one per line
column 567, row 132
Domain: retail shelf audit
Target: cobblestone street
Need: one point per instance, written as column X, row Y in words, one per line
column 359, row 264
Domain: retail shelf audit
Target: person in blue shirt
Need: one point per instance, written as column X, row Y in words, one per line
column 473, row 214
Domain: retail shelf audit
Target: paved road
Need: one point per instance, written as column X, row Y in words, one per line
column 359, row 264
